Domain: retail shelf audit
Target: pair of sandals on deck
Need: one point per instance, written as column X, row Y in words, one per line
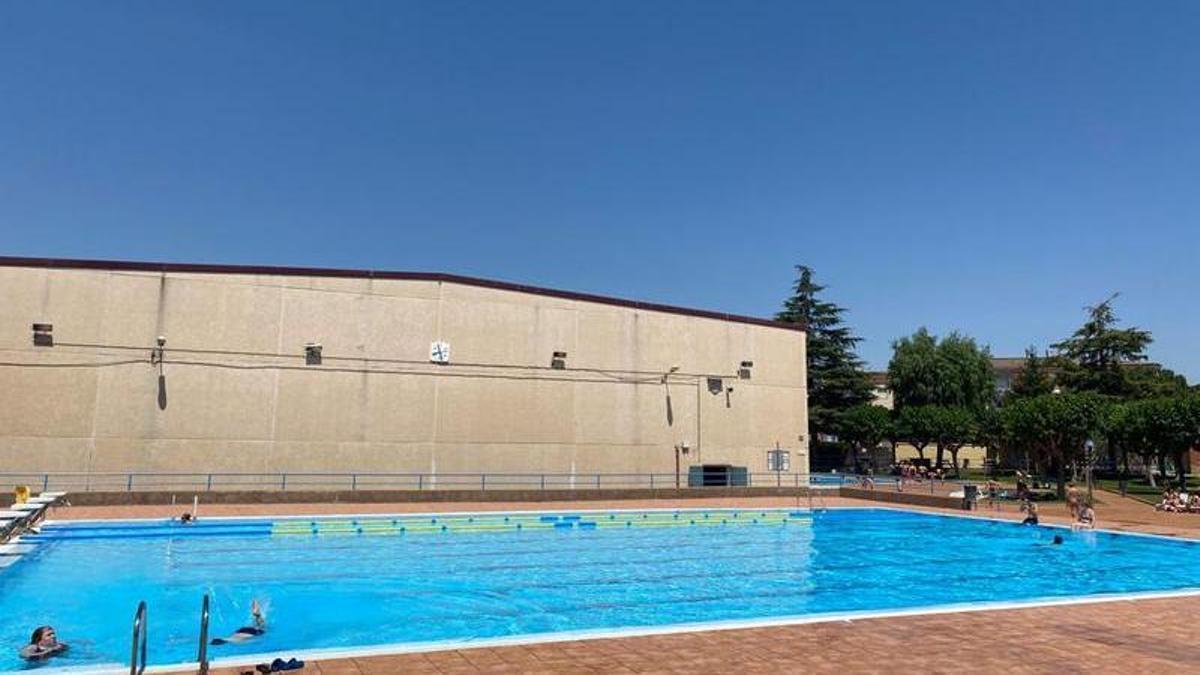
column 278, row 665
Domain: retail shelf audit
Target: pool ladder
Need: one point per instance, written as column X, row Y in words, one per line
column 820, row 497
column 138, row 649
column 137, row 652
column 202, row 652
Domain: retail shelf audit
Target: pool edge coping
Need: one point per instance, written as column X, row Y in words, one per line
column 399, row 649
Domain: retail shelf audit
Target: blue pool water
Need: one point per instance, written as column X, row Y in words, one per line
column 337, row 583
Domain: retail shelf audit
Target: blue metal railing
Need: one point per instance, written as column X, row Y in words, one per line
column 202, row 650
column 137, row 653
column 317, row 481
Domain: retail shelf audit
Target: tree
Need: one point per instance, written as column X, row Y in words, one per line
column 917, row 426
column 1128, row 425
column 1152, row 381
column 864, row 427
column 1055, row 427
column 992, row 432
column 836, row 378
column 1033, row 378
column 1172, row 426
column 914, row 373
column 1095, row 357
column 953, row 428
column 1116, row 428
column 952, row 372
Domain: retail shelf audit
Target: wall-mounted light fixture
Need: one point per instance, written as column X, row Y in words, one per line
column 43, row 334
column 715, row 385
column 312, row 354
column 558, row 361
column 156, row 354
column 744, row 370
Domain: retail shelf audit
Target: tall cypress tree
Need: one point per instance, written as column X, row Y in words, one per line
column 1096, row 356
column 836, row 379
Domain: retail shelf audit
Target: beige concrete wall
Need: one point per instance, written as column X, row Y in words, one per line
column 238, row 396
column 976, row 454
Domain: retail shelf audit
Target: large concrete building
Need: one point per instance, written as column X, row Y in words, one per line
column 535, row 380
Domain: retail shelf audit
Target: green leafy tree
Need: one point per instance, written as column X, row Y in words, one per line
column 917, row 426
column 1129, row 427
column 1033, row 379
column 1172, row 427
column 992, row 432
column 1055, row 427
column 1096, row 356
column 1116, row 428
column 836, row 378
column 953, row 428
column 952, row 372
column 1151, row 381
column 864, row 427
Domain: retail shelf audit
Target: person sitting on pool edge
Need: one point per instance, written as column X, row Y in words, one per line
column 1087, row 518
column 246, row 632
column 1031, row 513
column 42, row 645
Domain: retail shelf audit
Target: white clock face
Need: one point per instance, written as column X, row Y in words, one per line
column 439, row 352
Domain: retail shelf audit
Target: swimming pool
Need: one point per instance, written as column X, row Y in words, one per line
column 338, row 583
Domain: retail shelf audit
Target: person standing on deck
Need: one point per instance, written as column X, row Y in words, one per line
column 1073, row 500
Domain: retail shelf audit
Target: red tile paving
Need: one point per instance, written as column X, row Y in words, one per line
column 1142, row 636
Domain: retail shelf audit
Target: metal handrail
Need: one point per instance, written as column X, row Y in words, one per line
column 139, row 638
column 202, row 654
column 354, row 481
column 419, row 481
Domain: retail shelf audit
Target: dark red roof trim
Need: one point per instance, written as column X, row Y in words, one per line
column 67, row 263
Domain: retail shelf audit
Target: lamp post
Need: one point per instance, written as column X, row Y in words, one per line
column 1089, row 456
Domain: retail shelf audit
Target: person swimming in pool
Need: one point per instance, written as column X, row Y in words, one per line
column 245, row 633
column 42, row 645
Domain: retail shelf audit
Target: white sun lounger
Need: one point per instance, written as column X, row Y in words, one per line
column 27, row 507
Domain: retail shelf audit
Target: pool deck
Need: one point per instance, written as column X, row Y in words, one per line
column 1126, row 636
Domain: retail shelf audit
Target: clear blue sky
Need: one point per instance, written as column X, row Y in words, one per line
column 984, row 166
